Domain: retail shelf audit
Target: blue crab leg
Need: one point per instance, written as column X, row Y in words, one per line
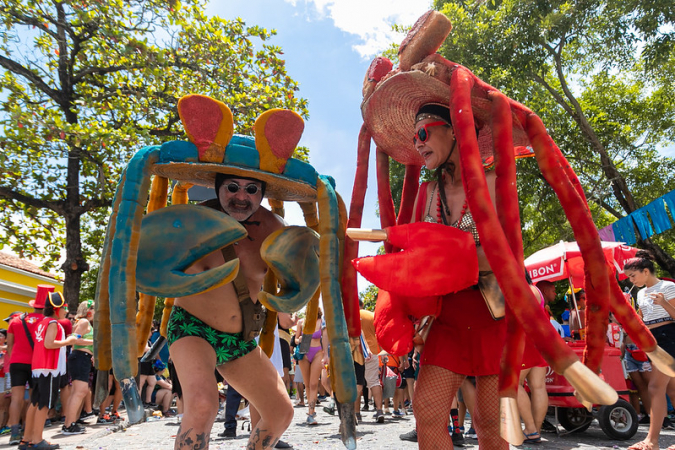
column 342, row 363
column 132, row 193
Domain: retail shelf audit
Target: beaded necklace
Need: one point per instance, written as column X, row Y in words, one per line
column 441, row 207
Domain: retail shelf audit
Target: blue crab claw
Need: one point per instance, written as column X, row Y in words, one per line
column 292, row 253
column 173, row 238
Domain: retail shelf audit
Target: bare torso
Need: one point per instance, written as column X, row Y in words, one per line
column 219, row 308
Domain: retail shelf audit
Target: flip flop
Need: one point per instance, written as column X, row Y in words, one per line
column 532, row 438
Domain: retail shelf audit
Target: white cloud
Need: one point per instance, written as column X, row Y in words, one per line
column 370, row 20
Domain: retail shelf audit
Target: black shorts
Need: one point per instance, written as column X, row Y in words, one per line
column 145, row 368
column 45, row 391
column 21, row 374
column 664, row 335
column 360, row 371
column 285, row 354
column 79, row 365
column 175, row 383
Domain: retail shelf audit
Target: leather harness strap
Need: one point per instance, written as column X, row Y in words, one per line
column 240, row 285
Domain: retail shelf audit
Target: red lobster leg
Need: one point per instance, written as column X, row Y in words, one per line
column 555, row 167
column 410, row 188
column 350, row 293
column 509, row 218
column 387, row 213
column 510, row 275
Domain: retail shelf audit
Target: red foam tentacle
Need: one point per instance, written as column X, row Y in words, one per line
column 553, row 166
column 574, row 179
column 350, row 293
column 411, row 184
column 506, row 195
column 387, row 212
column 510, row 275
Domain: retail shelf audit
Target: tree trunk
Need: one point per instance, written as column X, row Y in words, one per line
column 74, row 265
column 662, row 258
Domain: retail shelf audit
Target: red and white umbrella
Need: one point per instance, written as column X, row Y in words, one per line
column 563, row 260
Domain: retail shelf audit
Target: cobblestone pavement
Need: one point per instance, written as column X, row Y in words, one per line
column 159, row 434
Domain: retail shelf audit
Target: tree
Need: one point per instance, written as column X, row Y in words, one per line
column 369, row 297
column 86, row 83
column 608, row 106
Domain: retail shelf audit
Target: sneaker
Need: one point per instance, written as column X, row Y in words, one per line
column 5, row 430
column 644, row 420
column 397, row 414
column 359, row 419
column 115, row 415
column 74, row 428
column 667, row 424
column 48, row 423
column 379, row 417
column 386, row 410
column 228, row 433
column 104, row 419
column 311, row 419
column 471, row 434
column 409, row 436
column 282, row 444
column 14, row 439
column 330, row 409
column 169, row 413
column 85, row 415
column 457, row 438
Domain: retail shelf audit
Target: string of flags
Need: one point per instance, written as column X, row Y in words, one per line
column 623, row 230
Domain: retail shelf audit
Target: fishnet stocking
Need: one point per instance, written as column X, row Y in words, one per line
column 434, row 390
column 486, row 421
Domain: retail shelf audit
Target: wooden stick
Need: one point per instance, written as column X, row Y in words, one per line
column 367, row 234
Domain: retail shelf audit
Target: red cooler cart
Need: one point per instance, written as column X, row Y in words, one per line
column 618, row 421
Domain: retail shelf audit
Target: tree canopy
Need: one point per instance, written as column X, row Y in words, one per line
column 601, row 76
column 86, row 83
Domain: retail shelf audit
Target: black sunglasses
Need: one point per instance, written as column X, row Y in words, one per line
column 423, row 134
column 250, row 189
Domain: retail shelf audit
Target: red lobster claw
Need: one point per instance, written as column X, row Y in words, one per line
column 435, row 260
column 393, row 326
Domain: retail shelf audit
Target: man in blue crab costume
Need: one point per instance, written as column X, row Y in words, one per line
column 211, row 260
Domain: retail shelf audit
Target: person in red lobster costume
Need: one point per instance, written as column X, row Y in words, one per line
column 465, row 339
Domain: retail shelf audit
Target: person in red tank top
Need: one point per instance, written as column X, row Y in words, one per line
column 19, row 356
column 48, row 366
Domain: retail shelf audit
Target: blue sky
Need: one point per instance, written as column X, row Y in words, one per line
column 328, row 46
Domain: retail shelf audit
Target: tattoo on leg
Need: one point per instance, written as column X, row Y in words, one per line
column 263, row 437
column 186, row 441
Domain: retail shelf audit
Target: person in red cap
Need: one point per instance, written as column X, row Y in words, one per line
column 49, row 368
column 20, row 343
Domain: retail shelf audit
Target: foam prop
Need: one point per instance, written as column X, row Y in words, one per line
column 213, row 148
column 491, row 130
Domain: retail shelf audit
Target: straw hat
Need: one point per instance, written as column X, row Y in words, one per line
column 389, row 113
column 215, row 149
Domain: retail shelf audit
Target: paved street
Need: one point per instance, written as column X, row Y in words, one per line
column 159, row 434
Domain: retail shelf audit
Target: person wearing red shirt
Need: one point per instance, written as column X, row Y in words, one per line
column 20, row 342
column 49, row 366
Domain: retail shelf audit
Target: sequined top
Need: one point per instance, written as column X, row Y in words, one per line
column 466, row 223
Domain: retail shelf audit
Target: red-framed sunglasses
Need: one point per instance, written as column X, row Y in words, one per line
column 423, row 134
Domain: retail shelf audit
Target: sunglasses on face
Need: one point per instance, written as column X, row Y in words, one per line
column 423, row 134
column 250, row 189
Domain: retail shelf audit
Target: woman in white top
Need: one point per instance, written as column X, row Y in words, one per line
column 657, row 307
